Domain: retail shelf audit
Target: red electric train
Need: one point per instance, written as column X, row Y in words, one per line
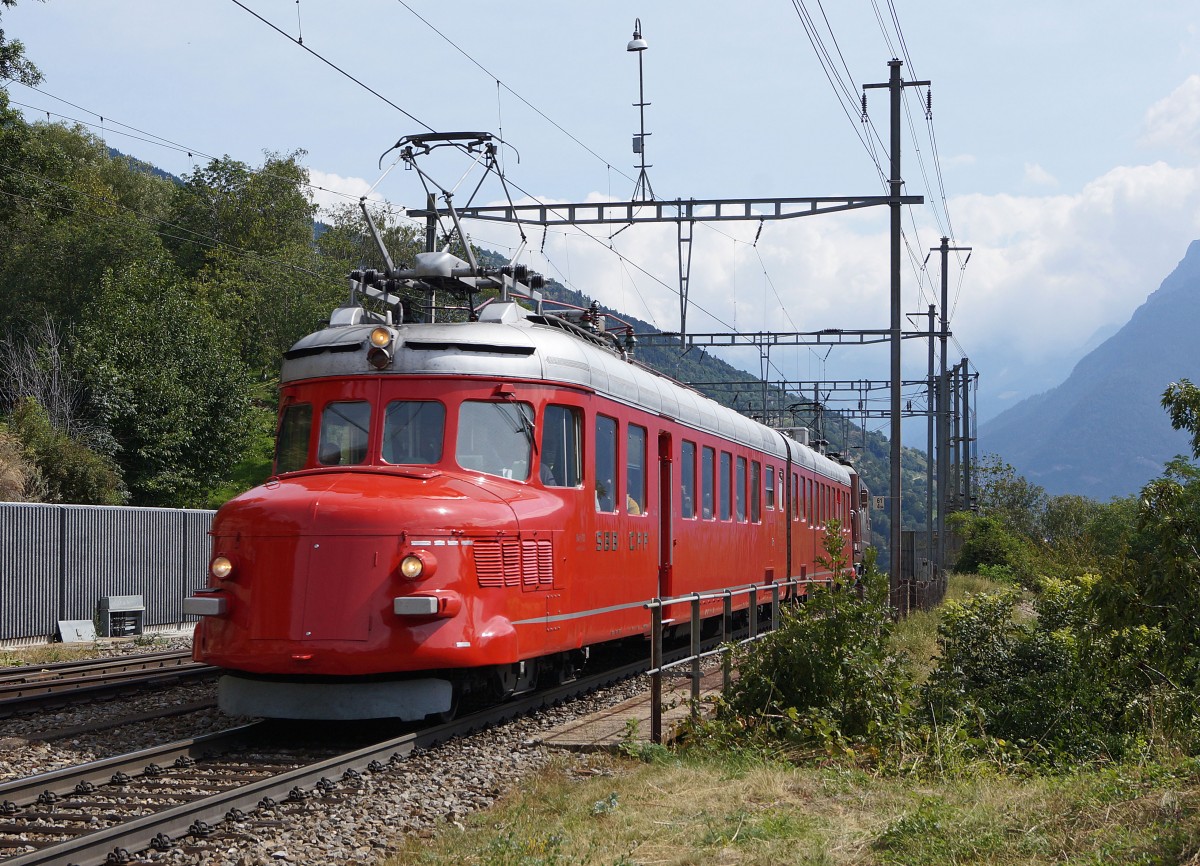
column 467, row 507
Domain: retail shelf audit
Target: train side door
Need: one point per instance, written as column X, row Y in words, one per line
column 666, row 511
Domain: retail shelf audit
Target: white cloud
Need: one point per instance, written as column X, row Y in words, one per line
column 332, row 190
column 1174, row 122
column 1035, row 175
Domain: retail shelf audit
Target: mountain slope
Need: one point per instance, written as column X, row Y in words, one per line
column 1103, row 432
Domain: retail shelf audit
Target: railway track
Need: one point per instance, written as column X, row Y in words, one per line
column 32, row 687
column 190, row 793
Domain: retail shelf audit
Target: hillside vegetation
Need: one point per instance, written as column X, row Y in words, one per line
column 144, row 318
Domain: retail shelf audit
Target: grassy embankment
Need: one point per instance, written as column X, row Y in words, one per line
column 685, row 808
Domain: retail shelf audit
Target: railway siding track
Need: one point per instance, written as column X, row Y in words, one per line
column 91, row 815
column 32, row 687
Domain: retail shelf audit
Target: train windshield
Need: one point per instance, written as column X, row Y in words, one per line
column 495, row 438
column 344, row 429
column 412, row 431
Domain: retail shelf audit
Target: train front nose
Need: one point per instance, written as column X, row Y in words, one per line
column 316, row 574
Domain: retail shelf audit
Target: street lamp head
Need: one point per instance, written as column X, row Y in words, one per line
column 637, row 43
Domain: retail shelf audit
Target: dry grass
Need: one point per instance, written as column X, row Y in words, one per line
column 697, row 811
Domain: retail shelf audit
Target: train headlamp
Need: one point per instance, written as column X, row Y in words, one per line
column 221, row 568
column 418, row 565
column 379, row 355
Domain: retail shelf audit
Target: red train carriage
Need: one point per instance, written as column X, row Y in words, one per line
column 469, row 506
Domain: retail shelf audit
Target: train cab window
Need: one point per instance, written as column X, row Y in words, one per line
column 606, row 463
column 755, row 492
column 412, row 431
column 291, row 446
column 344, row 429
column 770, row 495
column 708, row 477
column 687, row 477
column 739, row 490
column 495, row 438
column 726, row 492
column 635, row 469
column 559, row 457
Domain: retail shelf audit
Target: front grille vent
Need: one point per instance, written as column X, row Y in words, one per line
column 514, row 563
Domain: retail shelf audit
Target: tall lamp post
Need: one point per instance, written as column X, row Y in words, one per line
column 642, row 191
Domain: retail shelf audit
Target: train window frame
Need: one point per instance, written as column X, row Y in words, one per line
column 769, row 489
column 487, row 450
column 606, row 448
column 708, row 482
column 725, row 486
column 635, row 471
column 560, row 458
column 755, row 492
column 739, row 489
column 337, row 424
column 797, row 491
column 687, row 479
column 424, row 434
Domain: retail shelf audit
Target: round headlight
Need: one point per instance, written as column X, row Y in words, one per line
column 381, row 337
column 221, row 567
column 412, row 566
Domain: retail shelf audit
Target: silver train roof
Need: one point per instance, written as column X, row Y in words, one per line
column 505, row 343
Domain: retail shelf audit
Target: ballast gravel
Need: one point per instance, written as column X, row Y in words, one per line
column 361, row 821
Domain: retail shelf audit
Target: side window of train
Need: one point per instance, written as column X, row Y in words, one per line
column 726, row 479
column 559, row 457
column 295, row 428
column 635, row 469
column 739, row 490
column 687, row 477
column 797, row 497
column 606, row 463
column 412, row 431
column 770, row 488
column 495, row 438
column 755, row 491
column 344, row 429
column 708, row 477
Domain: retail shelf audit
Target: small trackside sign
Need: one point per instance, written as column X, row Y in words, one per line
column 880, row 503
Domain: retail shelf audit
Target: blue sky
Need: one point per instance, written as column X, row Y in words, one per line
column 1066, row 137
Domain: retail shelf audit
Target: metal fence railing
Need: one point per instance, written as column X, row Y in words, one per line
column 776, row 592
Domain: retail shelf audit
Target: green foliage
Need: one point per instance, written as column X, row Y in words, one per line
column 162, row 379
column 987, row 542
column 1182, row 402
column 1008, row 497
column 826, row 677
column 1057, row 687
column 67, row 470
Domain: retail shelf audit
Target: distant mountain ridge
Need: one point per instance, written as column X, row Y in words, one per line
column 1103, row 431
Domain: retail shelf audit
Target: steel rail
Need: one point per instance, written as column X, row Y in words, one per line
column 177, row 821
